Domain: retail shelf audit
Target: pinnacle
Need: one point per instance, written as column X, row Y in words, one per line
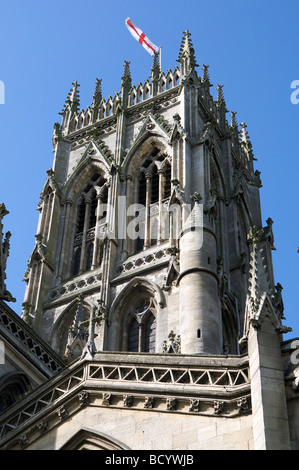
column 73, row 95
column 234, row 122
column 220, row 95
column 73, row 98
column 205, row 74
column 127, row 72
column 98, row 92
column 156, row 64
column 243, row 133
column 187, row 49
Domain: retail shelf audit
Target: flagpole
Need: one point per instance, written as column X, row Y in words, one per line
column 160, row 47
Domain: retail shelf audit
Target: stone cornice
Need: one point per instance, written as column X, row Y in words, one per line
column 161, row 383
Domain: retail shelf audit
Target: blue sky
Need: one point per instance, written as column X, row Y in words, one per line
column 250, row 46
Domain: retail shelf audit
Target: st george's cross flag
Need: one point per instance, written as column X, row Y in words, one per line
column 141, row 37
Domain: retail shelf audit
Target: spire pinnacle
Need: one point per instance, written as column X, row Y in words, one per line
column 73, row 96
column 126, row 78
column 243, row 133
column 205, row 74
column 187, row 54
column 234, row 122
column 126, row 83
column 156, row 64
column 97, row 96
column 220, row 95
column 73, row 101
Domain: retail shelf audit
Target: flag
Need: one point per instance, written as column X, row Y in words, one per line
column 141, row 38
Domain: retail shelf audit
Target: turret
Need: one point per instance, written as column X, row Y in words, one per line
column 200, row 308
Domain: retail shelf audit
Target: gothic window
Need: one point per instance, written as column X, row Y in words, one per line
column 77, row 262
column 93, row 210
column 90, row 215
column 89, row 257
column 140, row 330
column 154, row 188
column 142, row 190
column 150, row 334
column 167, row 182
column 133, row 336
column 81, row 216
column 13, row 387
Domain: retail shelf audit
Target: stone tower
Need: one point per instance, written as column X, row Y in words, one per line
column 135, row 179
column 151, row 278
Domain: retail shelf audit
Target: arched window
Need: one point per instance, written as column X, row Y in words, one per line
column 89, row 257
column 167, row 181
column 150, row 334
column 141, row 327
column 154, row 187
column 13, row 387
column 81, row 217
column 133, row 338
column 90, row 212
column 93, row 210
column 76, row 267
column 142, row 190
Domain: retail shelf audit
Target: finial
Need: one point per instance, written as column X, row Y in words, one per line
column 4, row 253
column 127, row 72
column 234, row 122
column 73, row 95
column 97, row 96
column 205, row 74
column 196, row 197
column 220, row 95
column 72, row 101
column 243, row 133
column 187, row 51
column 3, row 211
column 156, row 62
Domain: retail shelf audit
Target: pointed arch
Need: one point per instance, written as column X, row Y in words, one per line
column 90, row 439
column 61, row 326
column 150, row 136
column 139, row 303
column 82, row 174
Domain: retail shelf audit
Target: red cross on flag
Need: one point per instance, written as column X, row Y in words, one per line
column 141, row 38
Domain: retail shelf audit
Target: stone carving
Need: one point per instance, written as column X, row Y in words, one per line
column 128, row 400
column 149, row 402
column 4, row 252
column 194, row 404
column 42, row 426
column 242, row 404
column 218, row 407
column 173, row 344
column 23, row 440
column 83, row 398
column 171, row 404
column 106, row 399
column 62, row 413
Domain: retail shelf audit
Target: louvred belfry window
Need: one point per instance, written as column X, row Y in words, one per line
column 88, row 250
column 154, row 188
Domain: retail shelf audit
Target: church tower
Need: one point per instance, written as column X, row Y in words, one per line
column 150, row 303
column 144, row 219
